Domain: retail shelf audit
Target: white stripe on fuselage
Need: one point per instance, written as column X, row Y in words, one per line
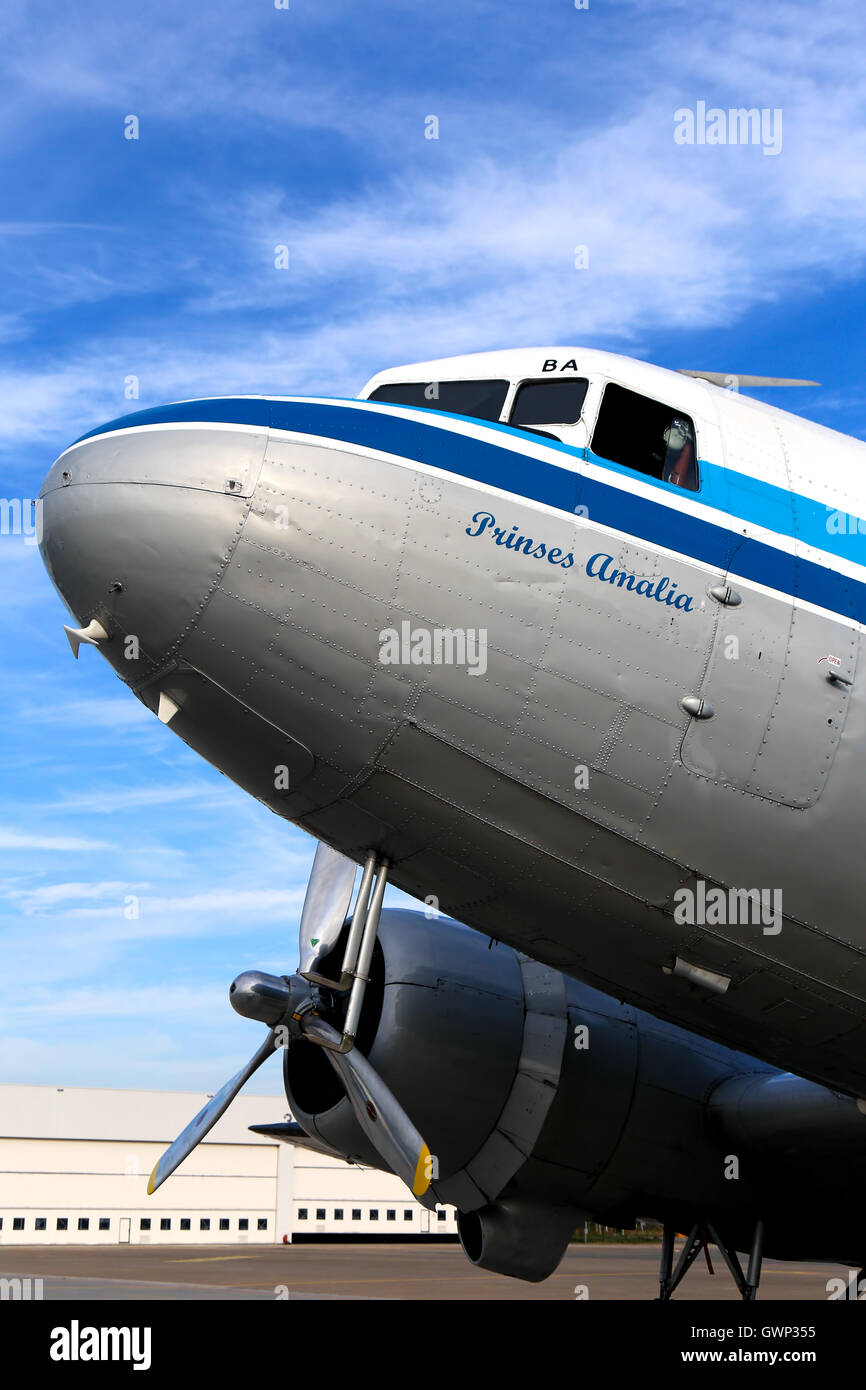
column 572, row 463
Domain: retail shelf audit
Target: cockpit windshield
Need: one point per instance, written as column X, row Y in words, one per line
column 555, row 403
column 549, row 402
column 482, row 399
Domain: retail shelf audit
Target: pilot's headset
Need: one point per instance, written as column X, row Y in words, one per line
column 680, row 452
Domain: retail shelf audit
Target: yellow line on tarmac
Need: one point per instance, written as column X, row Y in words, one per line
column 208, row 1259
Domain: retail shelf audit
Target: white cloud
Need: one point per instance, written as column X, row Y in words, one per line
column 95, row 711
column 18, row 839
column 466, row 242
column 166, row 916
column 480, row 254
column 49, row 895
column 110, row 799
column 192, row 1000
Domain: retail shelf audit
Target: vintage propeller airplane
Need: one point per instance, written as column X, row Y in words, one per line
column 565, row 644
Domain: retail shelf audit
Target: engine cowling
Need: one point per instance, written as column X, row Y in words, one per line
column 443, row 1023
column 545, row 1102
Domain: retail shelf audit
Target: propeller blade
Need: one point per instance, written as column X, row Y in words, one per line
column 208, row 1116
column 329, row 893
column 379, row 1113
column 736, row 379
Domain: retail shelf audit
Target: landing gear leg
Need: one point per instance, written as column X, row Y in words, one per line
column 756, row 1259
column 746, row 1283
column 667, row 1261
column 670, row 1277
column 668, row 1281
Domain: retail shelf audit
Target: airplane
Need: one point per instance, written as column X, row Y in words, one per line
column 564, row 645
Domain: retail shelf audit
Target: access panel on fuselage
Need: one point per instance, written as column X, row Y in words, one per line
column 632, row 638
column 776, row 717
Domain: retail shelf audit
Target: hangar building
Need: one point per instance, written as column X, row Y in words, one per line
column 74, row 1165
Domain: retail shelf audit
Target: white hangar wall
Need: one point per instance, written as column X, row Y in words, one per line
column 74, row 1165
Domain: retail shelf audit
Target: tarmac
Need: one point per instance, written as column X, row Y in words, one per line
column 431, row 1272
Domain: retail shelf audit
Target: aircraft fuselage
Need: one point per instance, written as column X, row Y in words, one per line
column 668, row 706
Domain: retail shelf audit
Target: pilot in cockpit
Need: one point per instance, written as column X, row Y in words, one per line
column 679, row 464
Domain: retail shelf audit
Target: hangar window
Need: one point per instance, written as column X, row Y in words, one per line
column 320, row 1213
column 144, row 1223
column 356, row 1213
column 18, row 1223
column 481, row 399
column 407, row 1214
column 204, row 1224
column 549, row 402
column 224, row 1223
column 62, row 1223
column 165, row 1223
column 243, row 1224
column 374, row 1214
column 441, row 1215
column 262, row 1223
column 338, row 1213
column 40, row 1223
column 391, row 1214
column 84, row 1223
column 302, row 1213
column 645, row 435
column 185, row 1223
column 104, row 1223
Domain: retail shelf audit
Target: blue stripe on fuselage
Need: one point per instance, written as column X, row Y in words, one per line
column 509, row 470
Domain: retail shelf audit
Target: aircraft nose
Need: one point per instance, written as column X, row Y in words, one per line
column 137, row 525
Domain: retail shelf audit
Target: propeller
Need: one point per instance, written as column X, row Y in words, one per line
column 379, row 1113
column 292, row 1008
column 329, row 893
column 207, row 1117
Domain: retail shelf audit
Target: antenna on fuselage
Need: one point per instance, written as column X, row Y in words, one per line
column 732, row 380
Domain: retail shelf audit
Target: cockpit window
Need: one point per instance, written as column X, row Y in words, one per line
column 549, row 402
column 482, row 399
column 645, row 435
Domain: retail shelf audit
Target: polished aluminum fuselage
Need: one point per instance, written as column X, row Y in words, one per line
column 562, row 797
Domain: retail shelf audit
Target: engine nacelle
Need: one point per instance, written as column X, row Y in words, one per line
column 545, row 1102
column 443, row 1024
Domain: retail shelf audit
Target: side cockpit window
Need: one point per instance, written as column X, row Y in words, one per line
column 643, row 434
column 481, row 399
column 549, row 402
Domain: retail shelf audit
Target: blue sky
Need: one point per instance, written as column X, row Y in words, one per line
column 155, row 258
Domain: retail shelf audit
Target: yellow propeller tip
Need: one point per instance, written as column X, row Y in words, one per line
column 423, row 1171
column 151, row 1182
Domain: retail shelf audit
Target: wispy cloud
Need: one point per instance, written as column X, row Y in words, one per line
column 461, row 243
column 121, row 713
column 109, row 799
column 16, row 839
column 195, row 999
column 171, row 916
column 51, row 894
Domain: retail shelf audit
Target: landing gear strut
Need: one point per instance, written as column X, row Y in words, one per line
column 697, row 1240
